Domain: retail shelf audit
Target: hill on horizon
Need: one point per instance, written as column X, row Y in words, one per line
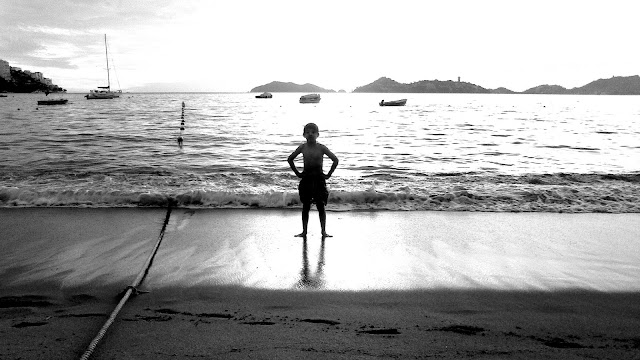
column 278, row 86
column 384, row 84
column 616, row 85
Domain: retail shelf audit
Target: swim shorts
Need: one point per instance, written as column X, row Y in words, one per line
column 312, row 189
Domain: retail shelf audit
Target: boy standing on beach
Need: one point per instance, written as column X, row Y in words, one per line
column 313, row 187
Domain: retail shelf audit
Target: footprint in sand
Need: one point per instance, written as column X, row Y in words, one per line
column 29, row 324
column 380, row 331
column 182, row 223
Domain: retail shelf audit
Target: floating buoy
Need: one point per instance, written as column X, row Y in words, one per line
column 180, row 139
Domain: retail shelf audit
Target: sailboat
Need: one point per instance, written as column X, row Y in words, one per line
column 104, row 92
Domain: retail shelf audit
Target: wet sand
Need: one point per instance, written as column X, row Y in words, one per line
column 237, row 284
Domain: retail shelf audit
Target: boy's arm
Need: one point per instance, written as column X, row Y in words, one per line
column 292, row 157
column 334, row 159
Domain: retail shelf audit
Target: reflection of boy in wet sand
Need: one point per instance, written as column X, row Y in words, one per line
column 313, row 187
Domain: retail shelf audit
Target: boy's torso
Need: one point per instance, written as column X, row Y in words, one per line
column 312, row 156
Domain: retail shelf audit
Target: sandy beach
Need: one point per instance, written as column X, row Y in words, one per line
column 236, row 284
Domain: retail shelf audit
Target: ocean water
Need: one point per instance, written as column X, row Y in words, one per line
column 473, row 152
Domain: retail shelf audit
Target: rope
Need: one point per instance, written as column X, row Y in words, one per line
column 132, row 289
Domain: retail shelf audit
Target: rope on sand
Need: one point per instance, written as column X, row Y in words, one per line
column 132, row 289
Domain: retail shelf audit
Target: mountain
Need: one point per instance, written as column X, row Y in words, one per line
column 382, row 85
column 547, row 89
column 617, row 85
column 386, row 85
column 278, row 86
column 502, row 90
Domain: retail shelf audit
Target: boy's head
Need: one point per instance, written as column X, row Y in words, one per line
column 311, row 132
column 310, row 127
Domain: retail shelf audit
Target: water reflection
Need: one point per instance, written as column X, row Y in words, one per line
column 307, row 279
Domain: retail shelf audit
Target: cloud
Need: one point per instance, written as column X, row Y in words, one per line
column 42, row 50
column 86, row 16
column 236, row 45
column 59, row 63
column 51, row 30
column 15, row 47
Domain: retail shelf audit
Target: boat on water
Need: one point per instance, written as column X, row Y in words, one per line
column 104, row 92
column 400, row 102
column 53, row 102
column 264, row 95
column 310, row 99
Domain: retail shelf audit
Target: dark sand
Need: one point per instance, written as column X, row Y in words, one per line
column 236, row 284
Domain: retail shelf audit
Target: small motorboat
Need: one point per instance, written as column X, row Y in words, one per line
column 310, row 99
column 53, row 102
column 264, row 95
column 400, row 102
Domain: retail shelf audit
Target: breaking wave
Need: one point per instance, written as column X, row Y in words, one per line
column 611, row 193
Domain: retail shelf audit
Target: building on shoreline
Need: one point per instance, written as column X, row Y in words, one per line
column 5, row 70
column 14, row 79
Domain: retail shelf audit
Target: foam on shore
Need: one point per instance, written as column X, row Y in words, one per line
column 573, row 193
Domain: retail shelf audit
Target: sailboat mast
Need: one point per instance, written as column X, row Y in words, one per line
column 106, row 53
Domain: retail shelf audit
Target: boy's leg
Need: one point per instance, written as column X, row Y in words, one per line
column 323, row 218
column 305, row 219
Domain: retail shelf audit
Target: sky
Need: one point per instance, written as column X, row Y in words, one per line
column 236, row 45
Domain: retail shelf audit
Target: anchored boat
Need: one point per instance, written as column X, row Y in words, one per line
column 104, row 92
column 53, row 102
column 310, row 98
column 400, row 102
column 265, row 95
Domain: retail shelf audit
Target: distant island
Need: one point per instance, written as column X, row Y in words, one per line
column 13, row 79
column 278, row 86
column 617, row 85
column 386, row 85
column 16, row 80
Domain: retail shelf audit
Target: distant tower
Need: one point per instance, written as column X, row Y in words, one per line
column 458, row 78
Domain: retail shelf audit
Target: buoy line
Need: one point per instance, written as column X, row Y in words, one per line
column 132, row 289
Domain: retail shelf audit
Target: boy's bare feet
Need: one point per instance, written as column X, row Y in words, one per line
column 301, row 235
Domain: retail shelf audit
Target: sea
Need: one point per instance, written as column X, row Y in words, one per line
column 440, row 152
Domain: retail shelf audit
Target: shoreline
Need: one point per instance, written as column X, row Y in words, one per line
column 236, row 284
column 240, row 323
column 369, row 250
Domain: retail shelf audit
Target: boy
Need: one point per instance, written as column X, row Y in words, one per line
column 313, row 187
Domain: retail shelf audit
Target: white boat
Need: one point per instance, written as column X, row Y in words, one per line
column 400, row 102
column 310, row 98
column 104, row 92
column 265, row 95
